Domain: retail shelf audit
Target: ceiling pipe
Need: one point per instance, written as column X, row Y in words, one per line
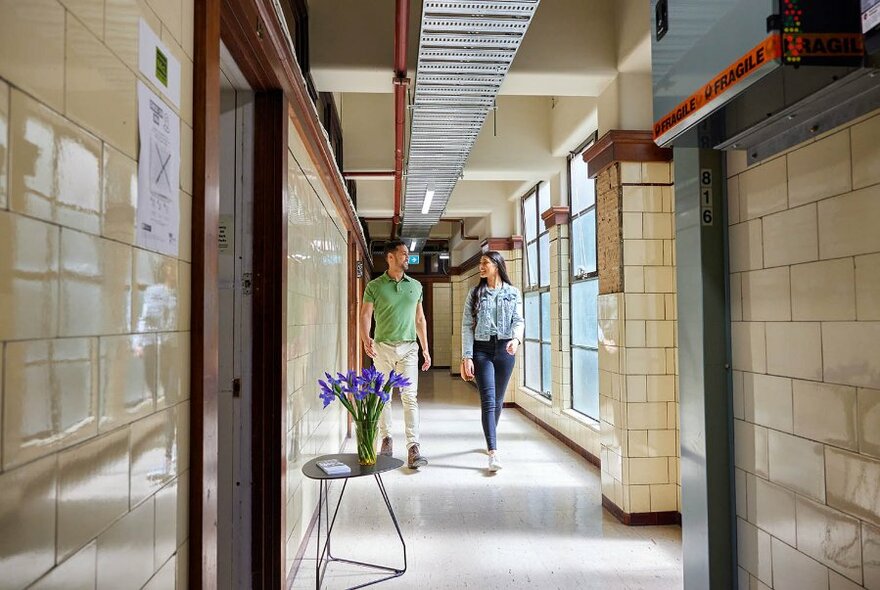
column 401, row 36
column 369, row 174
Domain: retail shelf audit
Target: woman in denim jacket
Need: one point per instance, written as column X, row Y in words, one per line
column 491, row 332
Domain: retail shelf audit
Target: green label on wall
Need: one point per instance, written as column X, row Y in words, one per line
column 162, row 67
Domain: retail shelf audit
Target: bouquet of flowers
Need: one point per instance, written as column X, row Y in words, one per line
column 364, row 395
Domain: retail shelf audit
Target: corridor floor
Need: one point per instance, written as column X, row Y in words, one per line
column 537, row 523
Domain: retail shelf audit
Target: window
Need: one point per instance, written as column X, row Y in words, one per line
column 584, row 287
column 536, row 290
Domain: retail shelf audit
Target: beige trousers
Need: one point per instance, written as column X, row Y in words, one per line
column 403, row 358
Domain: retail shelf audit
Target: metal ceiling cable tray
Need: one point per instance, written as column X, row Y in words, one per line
column 465, row 50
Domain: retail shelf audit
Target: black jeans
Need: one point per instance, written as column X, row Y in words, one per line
column 492, row 369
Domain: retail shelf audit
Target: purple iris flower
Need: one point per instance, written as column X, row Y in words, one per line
column 395, row 379
column 327, row 394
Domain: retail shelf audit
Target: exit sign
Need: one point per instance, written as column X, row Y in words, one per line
column 414, row 258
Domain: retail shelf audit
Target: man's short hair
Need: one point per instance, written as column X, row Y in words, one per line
column 392, row 246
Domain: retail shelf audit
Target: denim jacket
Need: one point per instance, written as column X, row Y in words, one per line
column 510, row 319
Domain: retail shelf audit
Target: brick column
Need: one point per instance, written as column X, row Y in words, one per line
column 637, row 331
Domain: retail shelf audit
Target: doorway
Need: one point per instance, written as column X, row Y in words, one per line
column 235, row 286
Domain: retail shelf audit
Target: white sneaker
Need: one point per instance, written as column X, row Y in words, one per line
column 494, row 462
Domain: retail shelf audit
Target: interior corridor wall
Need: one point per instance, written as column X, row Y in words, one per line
column 441, row 336
column 317, row 333
column 805, row 289
column 94, row 330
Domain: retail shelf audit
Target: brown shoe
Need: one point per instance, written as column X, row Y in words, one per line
column 414, row 458
column 387, row 445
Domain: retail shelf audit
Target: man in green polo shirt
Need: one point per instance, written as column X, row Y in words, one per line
column 396, row 301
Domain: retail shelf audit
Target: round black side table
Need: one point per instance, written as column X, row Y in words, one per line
column 324, row 555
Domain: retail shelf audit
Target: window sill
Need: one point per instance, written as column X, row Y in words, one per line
column 538, row 396
column 582, row 419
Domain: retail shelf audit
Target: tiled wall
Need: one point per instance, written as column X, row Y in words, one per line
column 805, row 287
column 637, row 348
column 317, row 332
column 94, row 331
column 441, row 329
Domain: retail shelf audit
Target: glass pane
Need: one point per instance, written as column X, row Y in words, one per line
column 533, row 317
column 585, row 382
column 583, row 244
column 532, row 259
column 583, row 190
column 530, row 217
column 584, row 313
column 545, row 317
column 533, row 366
column 543, row 198
column 544, row 258
column 546, row 375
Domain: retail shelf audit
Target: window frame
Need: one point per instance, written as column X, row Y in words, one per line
column 538, row 288
column 574, row 279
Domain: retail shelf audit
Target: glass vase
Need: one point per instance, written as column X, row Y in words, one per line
column 366, row 441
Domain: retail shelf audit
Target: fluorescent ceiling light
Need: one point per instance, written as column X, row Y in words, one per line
column 444, row 256
column 429, row 196
column 412, row 245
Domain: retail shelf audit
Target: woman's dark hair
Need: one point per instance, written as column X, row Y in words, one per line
column 498, row 260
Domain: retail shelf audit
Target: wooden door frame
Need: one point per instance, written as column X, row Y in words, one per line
column 256, row 40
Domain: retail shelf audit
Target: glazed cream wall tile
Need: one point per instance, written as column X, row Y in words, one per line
column 797, row 463
column 50, row 399
column 823, row 291
column 119, row 193
column 170, row 12
column 852, row 484
column 830, row 537
column 771, row 508
column 849, row 353
column 88, row 12
column 54, row 167
column 868, row 287
column 121, row 28
column 746, row 246
column 27, row 521
column 790, row 237
column 768, row 401
column 125, row 550
column 820, row 169
column 766, row 295
column 173, row 377
column 153, row 455
column 165, row 577
column 95, row 285
column 868, row 418
column 28, row 278
column 865, row 152
column 826, row 413
column 168, row 501
column 92, row 489
column 32, row 48
column 128, row 379
column 871, row 556
column 848, row 224
column 4, row 144
column 99, row 89
column 155, row 297
column 794, row 349
column 763, row 189
column 793, row 570
column 753, row 550
column 749, row 344
column 77, row 571
column 750, row 448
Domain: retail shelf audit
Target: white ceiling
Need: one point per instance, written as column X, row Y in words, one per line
column 581, row 67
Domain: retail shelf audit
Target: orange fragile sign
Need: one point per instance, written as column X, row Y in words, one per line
column 766, row 51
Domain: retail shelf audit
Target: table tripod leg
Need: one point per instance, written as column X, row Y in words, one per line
column 384, row 493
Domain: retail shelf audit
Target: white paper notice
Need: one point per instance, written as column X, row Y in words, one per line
column 157, row 64
column 158, row 210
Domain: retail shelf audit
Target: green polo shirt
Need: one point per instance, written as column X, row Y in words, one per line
column 394, row 307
